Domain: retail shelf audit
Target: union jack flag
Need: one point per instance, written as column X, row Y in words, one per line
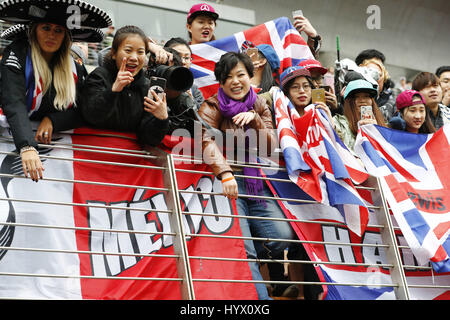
column 414, row 170
column 279, row 33
column 319, row 163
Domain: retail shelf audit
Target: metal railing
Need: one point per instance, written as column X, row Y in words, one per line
column 166, row 164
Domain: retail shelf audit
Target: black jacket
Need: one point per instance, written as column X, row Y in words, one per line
column 121, row 111
column 13, row 98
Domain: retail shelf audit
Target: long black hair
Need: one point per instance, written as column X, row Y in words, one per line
column 427, row 127
column 268, row 79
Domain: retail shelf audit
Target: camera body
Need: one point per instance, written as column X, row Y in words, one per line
column 177, row 78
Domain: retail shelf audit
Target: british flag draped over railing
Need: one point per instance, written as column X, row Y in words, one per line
column 414, row 171
column 319, row 163
column 279, row 33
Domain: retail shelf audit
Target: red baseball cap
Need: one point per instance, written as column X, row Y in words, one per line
column 313, row 65
column 202, row 8
column 405, row 99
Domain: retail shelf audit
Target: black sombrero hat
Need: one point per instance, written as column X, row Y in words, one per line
column 78, row 35
column 72, row 14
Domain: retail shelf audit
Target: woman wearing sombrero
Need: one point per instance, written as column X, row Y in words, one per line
column 39, row 79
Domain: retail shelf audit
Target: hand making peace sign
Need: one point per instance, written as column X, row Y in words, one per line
column 123, row 79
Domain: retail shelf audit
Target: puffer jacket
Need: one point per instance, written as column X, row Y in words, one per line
column 121, row 111
column 210, row 112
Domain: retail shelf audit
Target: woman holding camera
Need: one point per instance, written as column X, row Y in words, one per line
column 237, row 107
column 117, row 96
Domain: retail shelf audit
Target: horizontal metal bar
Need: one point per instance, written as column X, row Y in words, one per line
column 120, row 164
column 288, row 240
column 294, row 262
column 417, row 267
column 12, row 176
column 91, row 149
column 42, row 275
column 328, row 223
column 424, row 286
column 98, row 253
column 250, row 196
column 73, row 204
column 262, row 197
column 299, row 282
column 29, row 225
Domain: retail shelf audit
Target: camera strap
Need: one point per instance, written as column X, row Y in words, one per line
column 204, row 123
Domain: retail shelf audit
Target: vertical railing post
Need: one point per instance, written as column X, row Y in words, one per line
column 388, row 237
column 176, row 223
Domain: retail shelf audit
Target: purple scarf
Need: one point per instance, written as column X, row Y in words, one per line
column 229, row 108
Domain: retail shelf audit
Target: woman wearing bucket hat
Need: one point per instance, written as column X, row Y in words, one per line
column 201, row 23
column 297, row 85
column 412, row 114
column 358, row 95
column 317, row 75
column 39, row 79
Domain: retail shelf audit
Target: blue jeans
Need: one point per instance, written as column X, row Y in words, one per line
column 262, row 229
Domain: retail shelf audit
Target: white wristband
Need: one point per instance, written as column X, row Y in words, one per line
column 27, row 148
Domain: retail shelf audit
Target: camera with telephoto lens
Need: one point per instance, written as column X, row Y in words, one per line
column 178, row 78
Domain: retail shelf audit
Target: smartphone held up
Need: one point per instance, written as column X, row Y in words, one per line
column 367, row 113
column 158, row 85
column 297, row 13
column 318, row 95
column 253, row 54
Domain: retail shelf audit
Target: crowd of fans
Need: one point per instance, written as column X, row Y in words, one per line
column 110, row 89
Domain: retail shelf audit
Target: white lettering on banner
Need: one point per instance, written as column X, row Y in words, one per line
column 313, row 134
column 373, row 255
column 334, row 252
column 145, row 242
column 218, row 205
column 408, row 258
column 120, row 249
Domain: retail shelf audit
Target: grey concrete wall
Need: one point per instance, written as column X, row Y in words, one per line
column 414, row 34
column 164, row 19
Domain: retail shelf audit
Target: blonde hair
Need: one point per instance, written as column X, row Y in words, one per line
column 384, row 72
column 62, row 78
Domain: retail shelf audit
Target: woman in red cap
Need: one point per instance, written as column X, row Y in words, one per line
column 412, row 114
column 317, row 75
column 201, row 23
